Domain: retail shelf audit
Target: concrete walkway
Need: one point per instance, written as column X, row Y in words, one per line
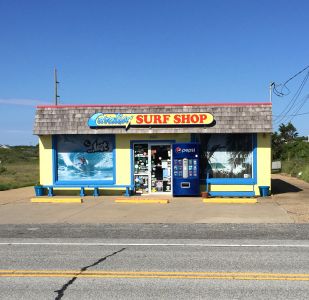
column 290, row 204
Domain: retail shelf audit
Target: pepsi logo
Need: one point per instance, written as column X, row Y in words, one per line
column 178, row 150
column 184, row 150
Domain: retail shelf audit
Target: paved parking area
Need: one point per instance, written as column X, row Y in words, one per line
column 291, row 195
column 289, row 204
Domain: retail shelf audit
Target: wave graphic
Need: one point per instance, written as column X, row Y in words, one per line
column 85, row 166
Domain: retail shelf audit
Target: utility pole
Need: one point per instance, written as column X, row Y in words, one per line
column 56, row 87
column 271, row 91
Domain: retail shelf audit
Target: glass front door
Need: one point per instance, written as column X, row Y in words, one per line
column 160, row 168
column 152, row 168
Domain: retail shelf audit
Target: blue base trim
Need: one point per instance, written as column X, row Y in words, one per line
column 232, row 194
column 50, row 192
column 96, row 192
column 128, row 192
column 82, row 192
column 96, row 188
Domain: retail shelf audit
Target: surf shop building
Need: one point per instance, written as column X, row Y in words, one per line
column 179, row 149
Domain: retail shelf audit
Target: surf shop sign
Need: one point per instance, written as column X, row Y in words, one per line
column 126, row 120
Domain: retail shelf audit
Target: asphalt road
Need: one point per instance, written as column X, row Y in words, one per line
column 144, row 261
column 157, row 231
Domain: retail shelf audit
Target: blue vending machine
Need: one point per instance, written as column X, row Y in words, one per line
column 186, row 178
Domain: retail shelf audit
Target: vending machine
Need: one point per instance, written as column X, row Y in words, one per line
column 186, row 178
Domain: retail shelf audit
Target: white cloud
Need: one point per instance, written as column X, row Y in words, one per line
column 23, row 102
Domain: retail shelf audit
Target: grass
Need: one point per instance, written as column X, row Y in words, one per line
column 297, row 168
column 19, row 167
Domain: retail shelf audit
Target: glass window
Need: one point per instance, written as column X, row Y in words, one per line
column 226, row 155
column 83, row 158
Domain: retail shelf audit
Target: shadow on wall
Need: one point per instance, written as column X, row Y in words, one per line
column 279, row 186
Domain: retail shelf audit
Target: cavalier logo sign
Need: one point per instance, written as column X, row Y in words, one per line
column 126, row 120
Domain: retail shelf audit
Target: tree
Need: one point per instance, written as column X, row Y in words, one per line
column 281, row 140
column 288, row 133
column 276, row 146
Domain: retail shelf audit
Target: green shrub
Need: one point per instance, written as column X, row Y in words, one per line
column 305, row 173
column 2, row 169
column 297, row 168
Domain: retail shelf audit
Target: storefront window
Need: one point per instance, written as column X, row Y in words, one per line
column 226, row 155
column 83, row 158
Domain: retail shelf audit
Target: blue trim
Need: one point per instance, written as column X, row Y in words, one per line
column 131, row 163
column 54, row 159
column 255, row 158
column 128, row 192
column 96, row 188
column 96, row 192
column 84, row 183
column 92, row 185
column 50, row 192
column 114, row 158
column 82, row 192
column 232, row 181
column 232, row 194
column 56, row 182
column 144, row 141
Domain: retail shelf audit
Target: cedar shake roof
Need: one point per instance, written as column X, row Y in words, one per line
column 229, row 118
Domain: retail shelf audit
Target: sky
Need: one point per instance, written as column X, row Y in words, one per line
column 149, row 51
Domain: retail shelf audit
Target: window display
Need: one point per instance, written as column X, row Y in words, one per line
column 85, row 158
column 226, row 155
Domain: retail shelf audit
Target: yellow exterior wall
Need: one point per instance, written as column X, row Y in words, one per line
column 263, row 161
column 46, row 159
column 231, row 188
column 123, row 157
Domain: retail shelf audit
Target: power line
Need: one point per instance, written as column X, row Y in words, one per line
column 304, row 69
column 280, row 93
column 305, row 113
column 300, row 106
column 293, row 101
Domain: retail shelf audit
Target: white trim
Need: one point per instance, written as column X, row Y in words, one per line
column 156, row 244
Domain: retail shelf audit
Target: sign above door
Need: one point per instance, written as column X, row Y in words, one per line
column 126, row 120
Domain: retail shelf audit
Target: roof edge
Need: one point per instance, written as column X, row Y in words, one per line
column 152, row 104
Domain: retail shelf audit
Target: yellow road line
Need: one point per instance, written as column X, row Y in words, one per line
column 160, row 275
column 151, row 272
